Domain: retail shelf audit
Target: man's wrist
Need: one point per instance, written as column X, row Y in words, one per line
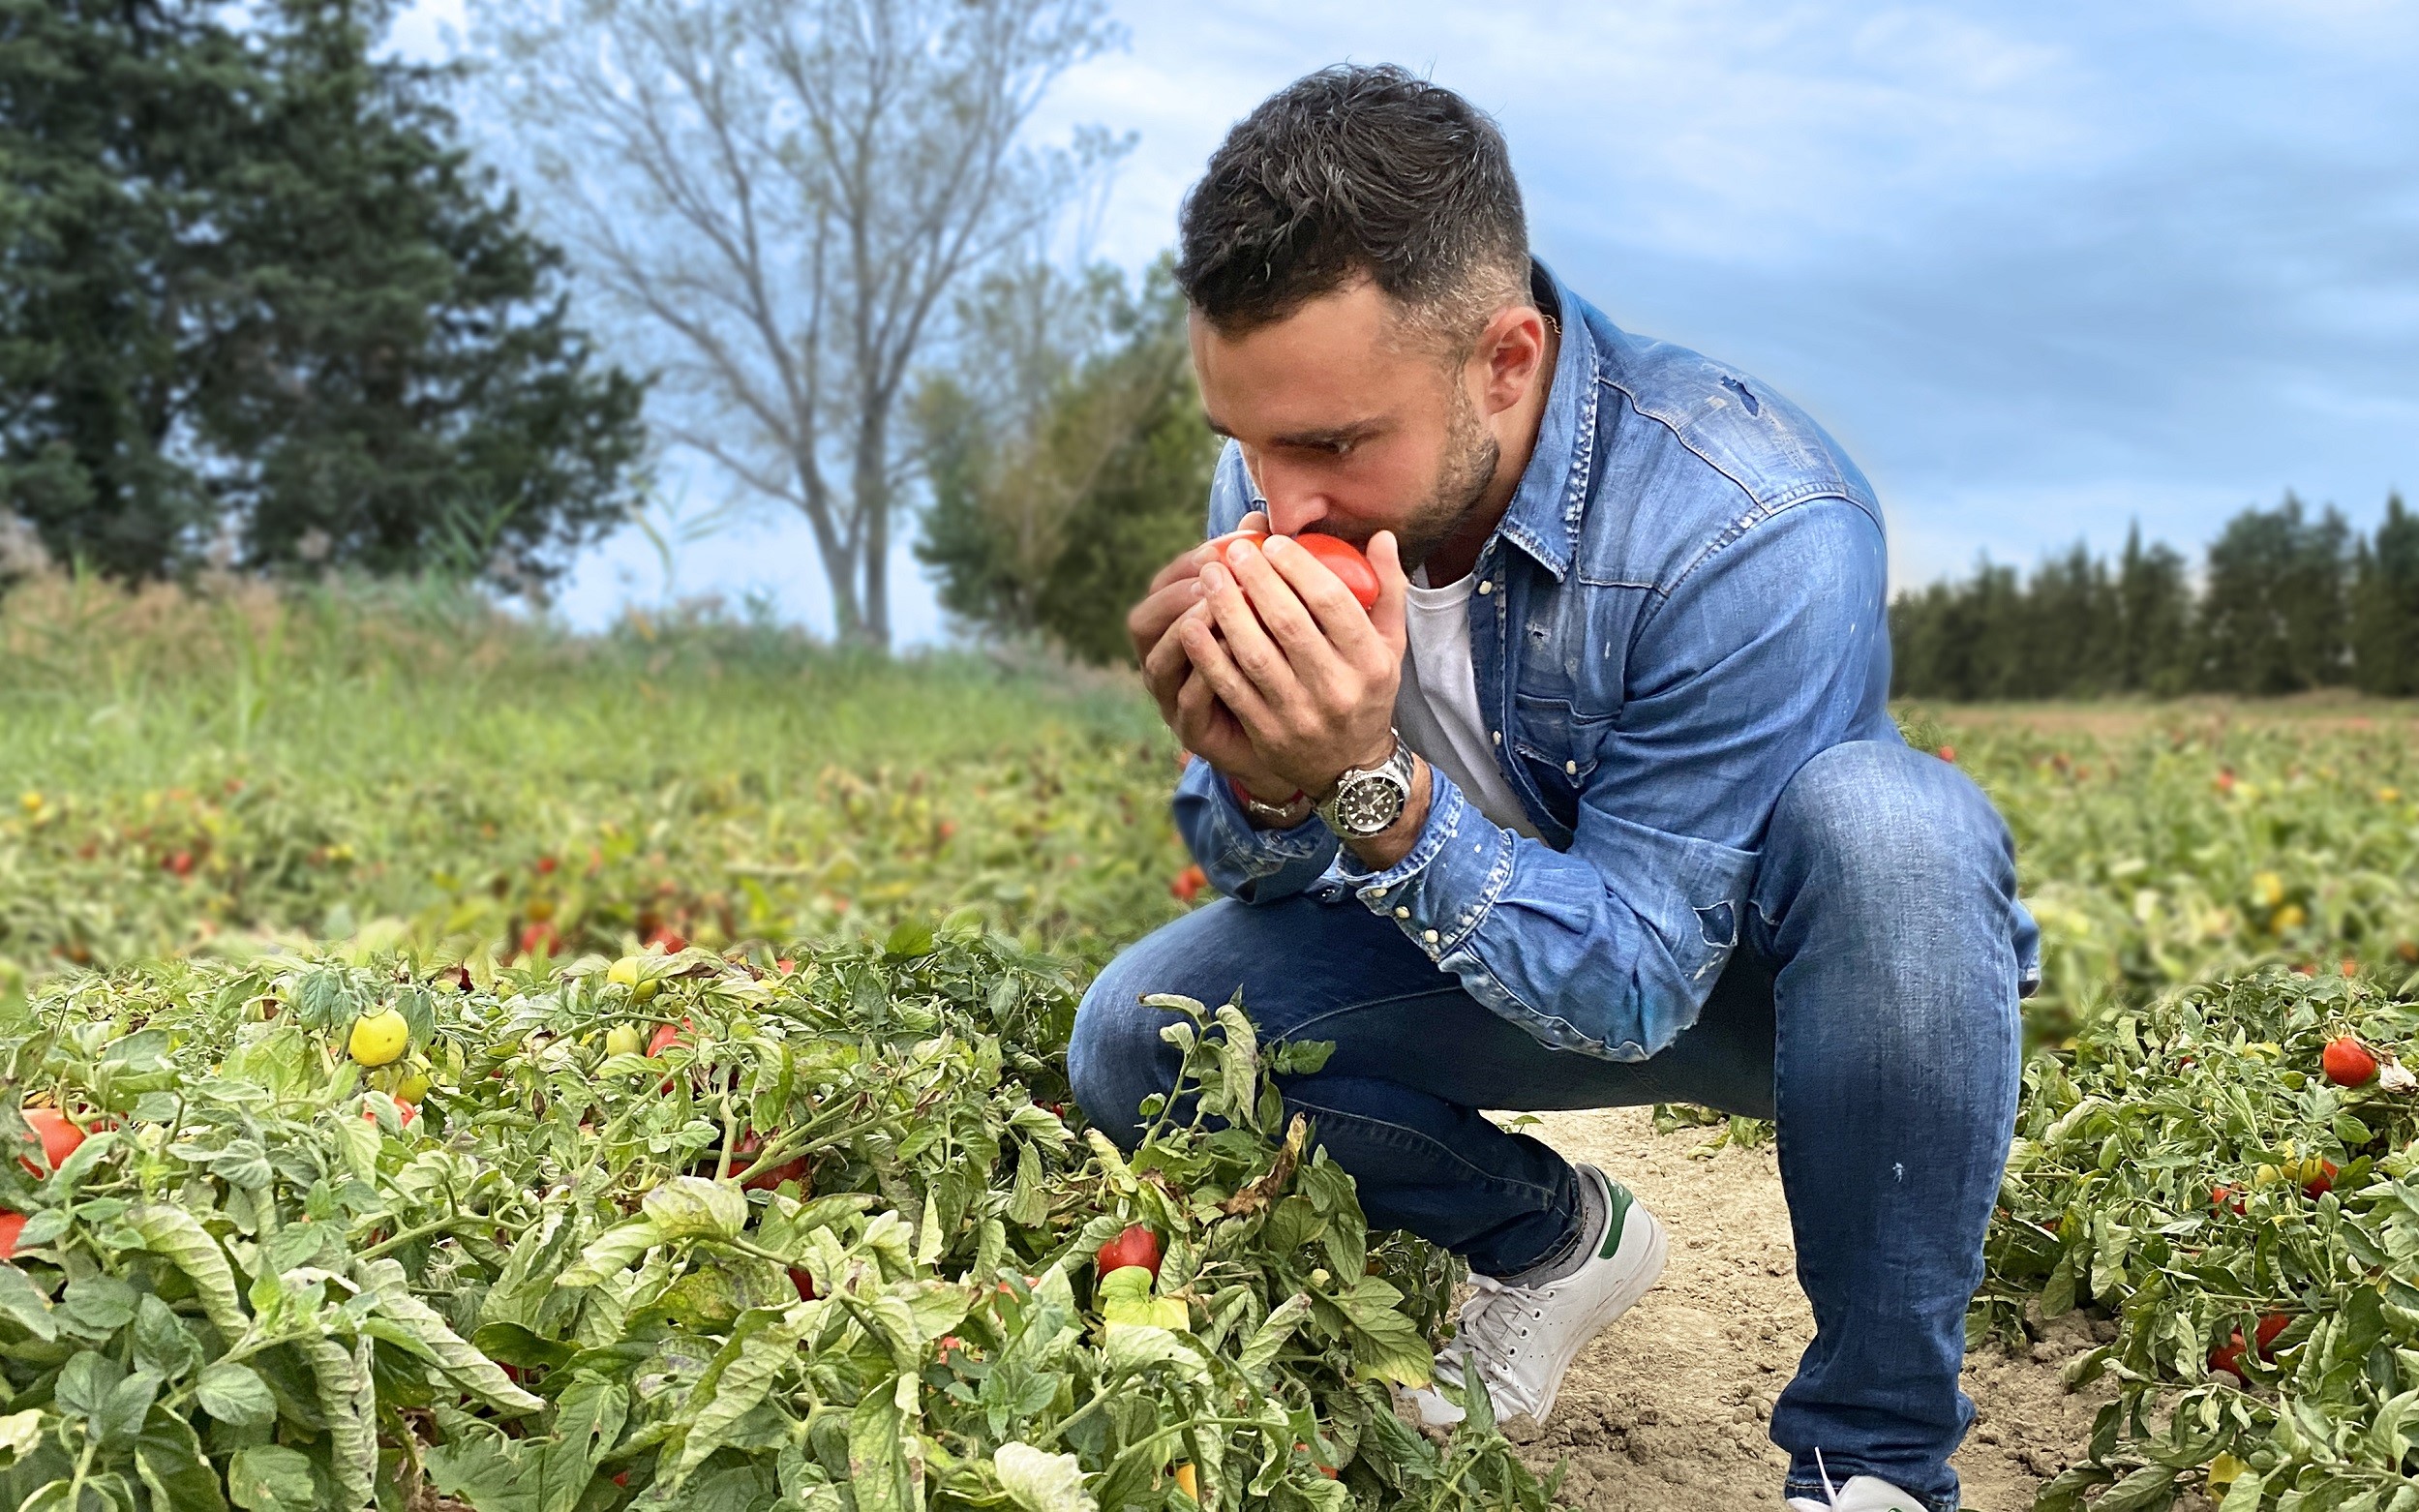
column 1386, row 849
column 1268, row 814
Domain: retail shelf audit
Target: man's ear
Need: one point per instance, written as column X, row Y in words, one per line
column 1511, row 352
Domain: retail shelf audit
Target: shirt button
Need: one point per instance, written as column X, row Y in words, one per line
column 1571, row 768
column 1484, row 586
column 1377, row 893
column 1401, row 913
column 1430, row 937
column 1498, row 736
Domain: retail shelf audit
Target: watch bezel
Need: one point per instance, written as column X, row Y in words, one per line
column 1344, row 805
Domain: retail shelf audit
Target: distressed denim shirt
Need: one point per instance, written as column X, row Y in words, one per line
column 1683, row 602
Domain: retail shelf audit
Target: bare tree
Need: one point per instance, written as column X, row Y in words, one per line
column 785, row 193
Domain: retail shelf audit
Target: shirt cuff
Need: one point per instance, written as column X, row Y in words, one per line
column 1441, row 892
column 1242, row 861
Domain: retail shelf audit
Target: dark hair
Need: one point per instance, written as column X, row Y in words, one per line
column 1357, row 171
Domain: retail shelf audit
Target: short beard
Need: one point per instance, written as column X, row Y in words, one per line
column 1467, row 470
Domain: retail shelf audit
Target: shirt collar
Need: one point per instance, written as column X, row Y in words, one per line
column 1543, row 516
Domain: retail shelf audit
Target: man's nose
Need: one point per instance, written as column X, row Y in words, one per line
column 1294, row 502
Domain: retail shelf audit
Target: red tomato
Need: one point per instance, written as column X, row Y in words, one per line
column 2228, row 1356
column 2270, row 1325
column 666, row 1035
column 1189, row 884
column 2321, row 1183
column 749, row 1148
column 10, row 1225
column 181, row 864
column 1136, row 1246
column 672, row 942
column 1345, row 559
column 804, row 1284
column 540, row 938
column 403, row 1109
column 2347, row 1062
column 59, row 1138
column 2225, row 1196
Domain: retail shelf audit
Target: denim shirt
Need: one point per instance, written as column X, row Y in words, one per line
column 1682, row 603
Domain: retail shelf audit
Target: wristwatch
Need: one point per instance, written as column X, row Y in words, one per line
column 1367, row 800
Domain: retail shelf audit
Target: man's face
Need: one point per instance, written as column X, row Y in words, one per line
column 1350, row 421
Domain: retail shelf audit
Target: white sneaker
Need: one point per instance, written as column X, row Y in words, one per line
column 1862, row 1493
column 1523, row 1338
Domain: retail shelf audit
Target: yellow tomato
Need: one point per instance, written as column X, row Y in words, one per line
column 379, row 1039
column 412, row 1088
column 622, row 1040
column 1186, row 1481
column 624, row 971
column 2290, row 917
column 2270, row 888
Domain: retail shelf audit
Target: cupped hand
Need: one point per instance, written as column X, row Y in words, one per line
column 1290, row 661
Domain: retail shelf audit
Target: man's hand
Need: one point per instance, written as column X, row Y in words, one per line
column 1207, row 727
column 1283, row 654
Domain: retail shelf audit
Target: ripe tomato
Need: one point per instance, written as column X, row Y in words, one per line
column 10, row 1225
column 1341, row 557
column 59, row 1138
column 666, row 1035
column 1345, row 559
column 2228, row 1356
column 1189, row 884
column 2319, row 1177
column 750, row 1145
column 2348, row 1063
column 2270, row 1325
column 2225, row 1196
column 1136, row 1246
column 670, row 942
column 804, row 1283
column 402, row 1110
column 540, row 938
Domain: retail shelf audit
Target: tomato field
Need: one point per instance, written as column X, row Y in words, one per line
column 724, row 1155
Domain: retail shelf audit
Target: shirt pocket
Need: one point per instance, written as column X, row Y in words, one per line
column 1557, row 749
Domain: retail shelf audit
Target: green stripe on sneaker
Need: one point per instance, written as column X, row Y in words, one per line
column 1620, row 1201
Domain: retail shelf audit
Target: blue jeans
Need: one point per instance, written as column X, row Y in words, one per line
column 1872, row 1012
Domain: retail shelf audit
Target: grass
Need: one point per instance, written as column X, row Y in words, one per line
column 199, row 769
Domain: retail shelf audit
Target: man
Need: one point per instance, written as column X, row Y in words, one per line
column 1599, row 804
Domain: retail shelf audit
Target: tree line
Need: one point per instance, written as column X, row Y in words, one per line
column 2286, row 600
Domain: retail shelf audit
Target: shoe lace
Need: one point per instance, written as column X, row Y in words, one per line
column 1496, row 1323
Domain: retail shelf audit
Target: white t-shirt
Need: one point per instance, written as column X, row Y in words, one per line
column 1436, row 707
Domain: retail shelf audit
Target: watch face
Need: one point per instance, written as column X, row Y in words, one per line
column 1371, row 805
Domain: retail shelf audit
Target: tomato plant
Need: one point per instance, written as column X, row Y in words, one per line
column 558, row 1279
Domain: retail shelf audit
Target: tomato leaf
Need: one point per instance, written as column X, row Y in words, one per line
column 1037, row 1481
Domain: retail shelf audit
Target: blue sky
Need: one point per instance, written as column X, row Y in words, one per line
column 2043, row 269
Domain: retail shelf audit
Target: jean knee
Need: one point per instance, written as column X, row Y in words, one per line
column 1115, row 1057
column 1893, row 827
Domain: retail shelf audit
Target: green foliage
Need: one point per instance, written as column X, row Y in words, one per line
column 1068, row 457
column 565, row 1285
column 2159, row 1178
column 2385, row 606
column 2288, row 602
column 253, row 288
column 310, row 765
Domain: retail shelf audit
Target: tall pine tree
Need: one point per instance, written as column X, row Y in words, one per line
column 255, row 289
column 2385, row 606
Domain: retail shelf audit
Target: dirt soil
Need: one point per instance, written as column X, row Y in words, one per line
column 1667, row 1411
